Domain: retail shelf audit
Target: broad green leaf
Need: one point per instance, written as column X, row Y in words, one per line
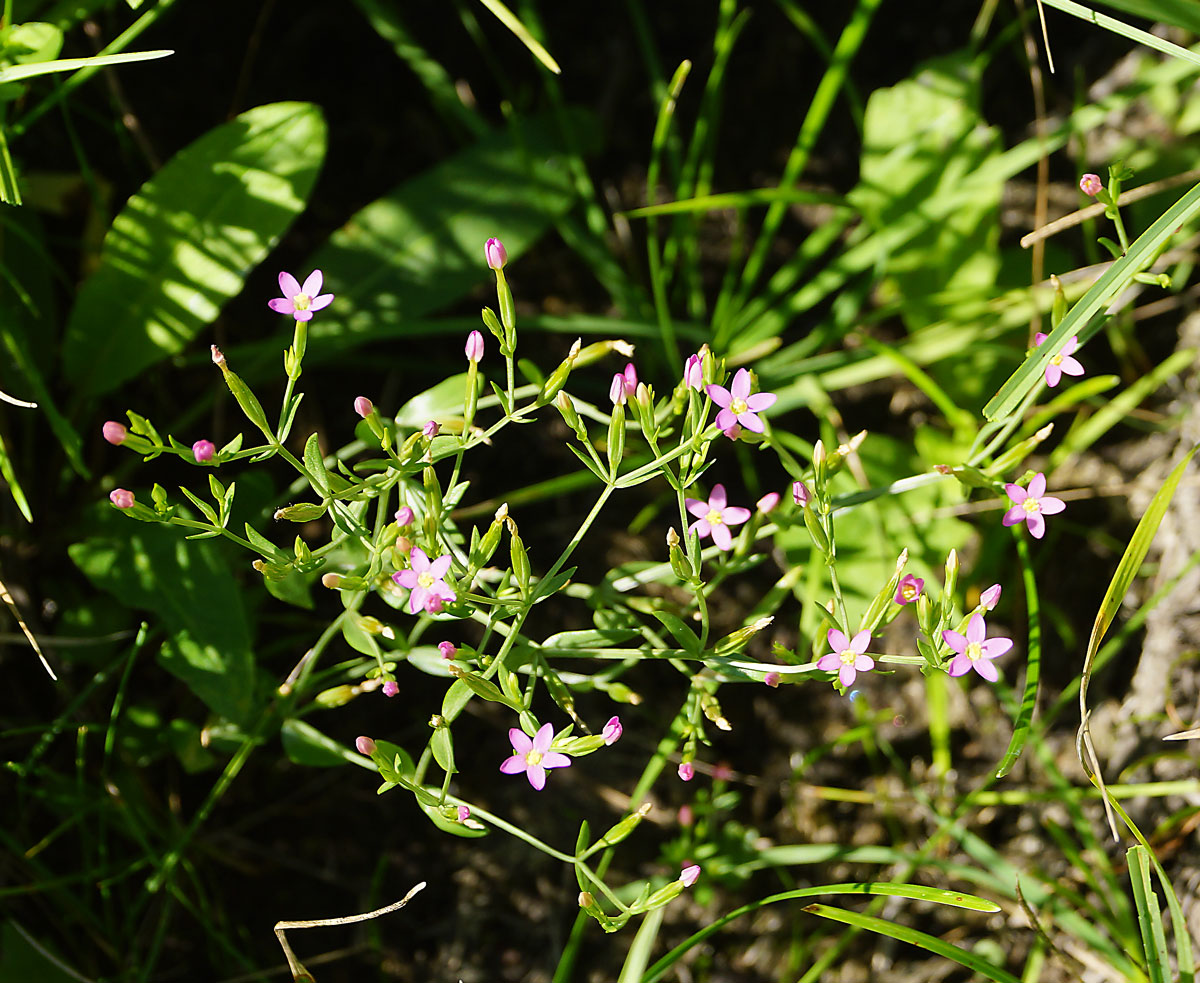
column 446, row 399
column 305, row 745
column 182, row 245
column 682, row 634
column 193, row 592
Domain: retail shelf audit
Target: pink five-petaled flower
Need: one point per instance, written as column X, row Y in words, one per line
column 1062, row 362
column 612, row 730
column 687, row 876
column 714, row 517
column 474, row 347
column 533, row 756
column 738, row 406
column 115, row 433
column 847, row 656
column 203, row 450
column 908, row 589
column 693, row 372
column 1091, row 185
column 990, row 597
column 425, row 579
column 974, row 650
column 1029, row 505
column 300, row 301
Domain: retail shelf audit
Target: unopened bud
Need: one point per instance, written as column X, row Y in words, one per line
column 363, row 406
column 115, row 433
column 122, row 498
column 365, row 745
column 203, row 451
column 404, row 516
column 331, row 580
column 495, row 254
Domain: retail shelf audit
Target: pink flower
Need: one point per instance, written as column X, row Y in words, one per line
column 1062, row 362
column 363, row 406
column 908, row 589
column 495, row 253
column 434, row 604
column 474, row 346
column 767, row 502
column 391, row 688
column 612, row 730
column 463, row 813
column 800, row 493
column 404, row 516
column 533, row 756
column 693, row 372
column 1031, row 504
column 115, row 433
column 122, row 498
column 686, row 771
column 365, row 745
column 738, row 406
column 713, row 518
column 990, row 597
column 448, row 649
column 1091, row 185
column 685, row 815
column 630, row 379
column 847, row 656
column 772, row 679
column 974, row 650
column 431, row 429
column 300, row 301
column 687, row 876
column 425, row 579
column 203, row 450
column 616, row 389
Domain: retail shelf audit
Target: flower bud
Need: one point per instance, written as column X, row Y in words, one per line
column 363, row 406
column 434, row 604
column 431, row 429
column 800, row 493
column 686, row 771
column 990, row 597
column 630, row 379
column 115, row 433
column 463, row 813
column 122, row 498
column 474, row 346
column 448, row 649
column 693, row 373
column 404, row 516
column 391, row 688
column 768, row 502
column 772, row 679
column 687, row 876
column 1091, row 185
column 496, row 254
column 365, row 745
column 203, row 451
column 331, row 580
column 616, row 391
column 612, row 730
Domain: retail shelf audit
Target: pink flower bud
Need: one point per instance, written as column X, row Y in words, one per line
column 1091, row 185
column 772, row 679
column 434, row 604
column 768, row 502
column 732, row 432
column 496, row 254
column 363, row 406
column 448, row 649
column 463, row 813
column 474, row 348
column 800, row 493
column 686, row 771
column 693, row 372
column 687, row 876
column 631, row 380
column 121, row 498
column 431, row 429
column 115, row 433
column 990, row 597
column 365, row 745
column 686, row 816
column 616, row 391
column 203, row 450
column 612, row 730
column 391, row 688
column 404, row 516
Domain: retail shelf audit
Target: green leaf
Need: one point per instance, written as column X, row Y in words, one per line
column 305, row 745
column 1150, row 924
column 14, row 486
column 315, row 464
column 1181, row 13
column 443, row 400
column 182, row 246
column 1125, row 30
column 442, row 746
column 193, row 592
column 682, row 634
column 16, row 72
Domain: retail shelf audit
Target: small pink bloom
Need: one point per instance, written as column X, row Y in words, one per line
column 391, row 688
column 687, row 876
column 496, row 254
column 612, row 730
column 433, row 604
column 908, row 589
column 693, row 372
column 448, row 649
column 847, row 657
column 300, row 301
column 431, row 429
column 404, row 516
column 974, row 650
column 122, row 498
column 990, row 597
column 1029, row 505
column 767, row 502
column 1062, row 362
column 115, row 433
column 365, row 745
column 533, row 756
column 464, row 813
column 1091, row 185
column 772, row 679
column 616, row 389
column 363, row 406
column 630, row 380
column 203, row 450
column 474, row 346
column 686, row 771
column 714, row 517
column 425, row 579
column 738, row 406
column 800, row 494
column 685, row 815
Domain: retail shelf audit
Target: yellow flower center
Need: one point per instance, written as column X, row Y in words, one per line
column 1031, row 505
column 848, row 656
column 737, row 406
column 908, row 592
column 714, row 518
column 426, row 580
column 974, row 651
column 533, row 758
column 301, row 302
column 1056, row 360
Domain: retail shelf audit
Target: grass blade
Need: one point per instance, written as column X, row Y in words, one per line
column 509, row 20
column 1150, row 924
column 16, row 73
column 1033, row 663
column 1123, row 29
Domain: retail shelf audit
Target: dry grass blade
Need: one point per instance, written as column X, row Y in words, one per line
column 16, row 612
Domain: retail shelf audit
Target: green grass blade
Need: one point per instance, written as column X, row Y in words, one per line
column 920, row 939
column 641, row 947
column 1033, row 663
column 1181, row 13
column 14, row 486
column 1154, row 942
column 16, row 73
column 509, row 20
column 1123, row 29
column 1141, row 254
column 737, row 199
